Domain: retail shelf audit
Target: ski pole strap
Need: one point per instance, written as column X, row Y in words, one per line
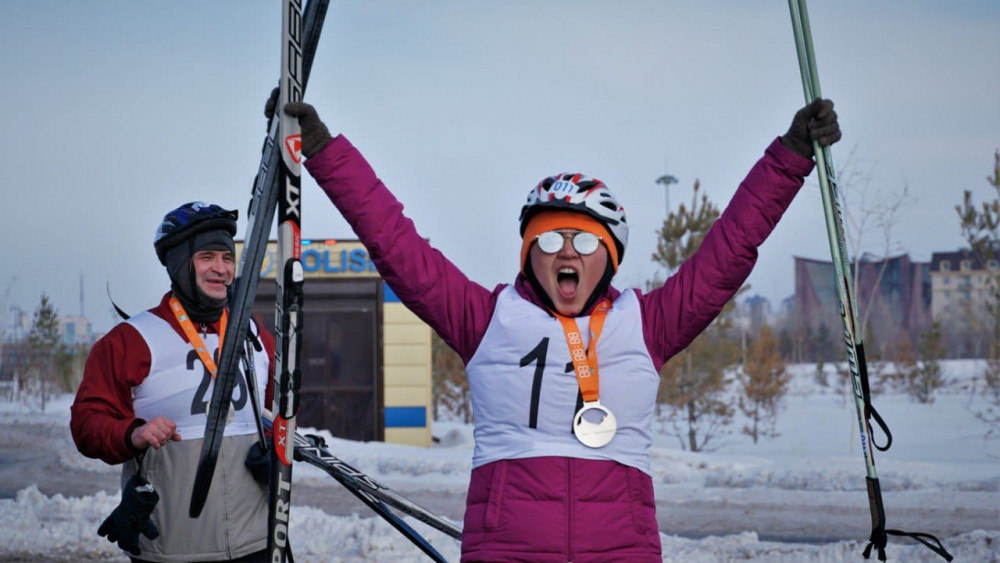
column 870, row 411
column 879, row 538
column 251, row 378
column 253, row 334
column 138, row 462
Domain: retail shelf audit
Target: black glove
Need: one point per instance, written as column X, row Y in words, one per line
column 315, row 134
column 815, row 122
column 131, row 516
column 272, row 102
column 259, row 464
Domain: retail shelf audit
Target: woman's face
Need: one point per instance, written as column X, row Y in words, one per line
column 568, row 277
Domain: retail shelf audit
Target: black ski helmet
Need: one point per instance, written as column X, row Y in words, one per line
column 188, row 220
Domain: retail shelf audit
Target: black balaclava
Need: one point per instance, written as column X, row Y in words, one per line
column 200, row 307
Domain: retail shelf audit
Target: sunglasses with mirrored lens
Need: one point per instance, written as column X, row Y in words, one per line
column 551, row 242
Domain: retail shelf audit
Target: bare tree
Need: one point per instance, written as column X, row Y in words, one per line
column 869, row 212
column 450, row 385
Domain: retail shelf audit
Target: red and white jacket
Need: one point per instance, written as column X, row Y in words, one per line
column 144, row 368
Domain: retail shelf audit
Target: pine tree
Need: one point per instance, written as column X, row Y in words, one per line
column 44, row 348
column 928, row 375
column 904, row 360
column 764, row 383
column 981, row 228
column 693, row 382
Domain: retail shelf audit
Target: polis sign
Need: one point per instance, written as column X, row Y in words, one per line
column 322, row 259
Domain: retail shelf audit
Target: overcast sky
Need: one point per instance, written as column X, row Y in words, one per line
column 120, row 111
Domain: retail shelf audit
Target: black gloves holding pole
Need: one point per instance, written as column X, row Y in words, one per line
column 131, row 516
column 815, row 122
column 315, row 135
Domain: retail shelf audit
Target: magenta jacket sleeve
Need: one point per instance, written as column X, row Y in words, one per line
column 674, row 314
column 458, row 309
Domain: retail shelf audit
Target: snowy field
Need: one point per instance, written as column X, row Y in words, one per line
column 813, row 472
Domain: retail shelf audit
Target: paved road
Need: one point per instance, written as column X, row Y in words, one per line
column 43, row 454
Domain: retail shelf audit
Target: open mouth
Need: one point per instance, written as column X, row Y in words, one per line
column 568, row 280
column 215, row 285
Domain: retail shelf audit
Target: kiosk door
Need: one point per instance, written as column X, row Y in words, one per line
column 341, row 387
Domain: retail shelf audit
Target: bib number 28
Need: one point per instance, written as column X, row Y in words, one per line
column 199, row 404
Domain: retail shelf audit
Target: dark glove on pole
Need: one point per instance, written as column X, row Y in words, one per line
column 131, row 517
column 272, row 102
column 315, row 134
column 259, row 464
column 815, row 122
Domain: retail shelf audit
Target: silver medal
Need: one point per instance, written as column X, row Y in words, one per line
column 591, row 434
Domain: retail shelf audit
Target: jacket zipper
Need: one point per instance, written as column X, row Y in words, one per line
column 569, row 509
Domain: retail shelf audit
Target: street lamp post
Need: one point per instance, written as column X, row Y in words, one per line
column 666, row 180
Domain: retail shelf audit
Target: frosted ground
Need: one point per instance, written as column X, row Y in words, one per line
column 798, row 497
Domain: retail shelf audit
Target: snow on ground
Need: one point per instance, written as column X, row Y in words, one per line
column 938, row 449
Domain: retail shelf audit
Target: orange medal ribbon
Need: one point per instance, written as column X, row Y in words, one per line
column 192, row 334
column 590, row 434
column 585, row 361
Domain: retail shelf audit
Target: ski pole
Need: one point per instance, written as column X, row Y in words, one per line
column 312, row 450
column 845, row 292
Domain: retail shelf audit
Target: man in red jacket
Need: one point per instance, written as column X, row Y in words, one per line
column 143, row 398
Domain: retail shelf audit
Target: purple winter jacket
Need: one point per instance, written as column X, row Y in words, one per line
column 555, row 508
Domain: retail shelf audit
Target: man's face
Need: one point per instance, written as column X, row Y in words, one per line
column 213, row 271
column 568, row 277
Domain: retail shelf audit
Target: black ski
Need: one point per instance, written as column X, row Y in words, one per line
column 261, row 214
column 312, row 449
column 290, row 278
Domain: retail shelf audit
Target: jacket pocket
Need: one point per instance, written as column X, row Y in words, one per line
column 643, row 506
column 495, row 502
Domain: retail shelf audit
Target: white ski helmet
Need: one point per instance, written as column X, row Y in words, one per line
column 576, row 192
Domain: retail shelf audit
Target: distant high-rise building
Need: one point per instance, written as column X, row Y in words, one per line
column 75, row 330
column 893, row 297
column 755, row 311
column 960, row 292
